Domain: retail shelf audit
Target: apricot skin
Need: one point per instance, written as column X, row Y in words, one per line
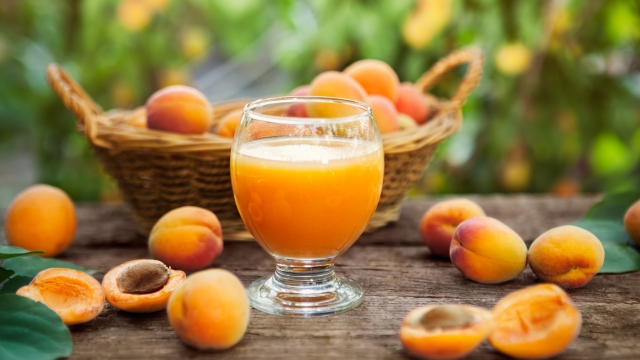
column 536, row 322
column 568, row 256
column 632, row 222
column 229, row 123
column 410, row 102
column 440, row 222
column 186, row 238
column 180, row 109
column 487, row 251
column 376, row 77
column 299, row 109
column 334, row 84
column 444, row 343
column 41, row 217
column 210, row 310
column 384, row 113
column 139, row 303
column 75, row 296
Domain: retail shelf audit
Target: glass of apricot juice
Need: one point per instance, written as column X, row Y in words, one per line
column 306, row 174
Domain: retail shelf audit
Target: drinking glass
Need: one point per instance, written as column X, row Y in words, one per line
column 306, row 174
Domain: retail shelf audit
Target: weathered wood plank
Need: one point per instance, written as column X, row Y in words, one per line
column 394, row 267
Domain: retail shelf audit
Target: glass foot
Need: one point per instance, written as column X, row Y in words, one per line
column 304, row 291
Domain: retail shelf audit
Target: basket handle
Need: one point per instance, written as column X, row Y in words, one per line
column 470, row 55
column 77, row 100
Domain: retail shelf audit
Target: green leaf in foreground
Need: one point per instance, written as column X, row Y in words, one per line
column 7, row 252
column 30, row 330
column 613, row 206
column 620, row 255
column 32, row 265
column 15, row 283
column 5, row 274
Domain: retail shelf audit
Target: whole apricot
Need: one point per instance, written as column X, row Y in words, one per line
column 487, row 251
column 448, row 331
column 299, row 109
column 228, row 124
column 180, row 109
column 376, row 77
column 335, row 84
column 411, row 102
column 210, row 310
column 536, row 322
column 384, row 113
column 440, row 222
column 568, row 256
column 632, row 222
column 41, row 217
column 141, row 286
column 75, row 296
column 186, row 238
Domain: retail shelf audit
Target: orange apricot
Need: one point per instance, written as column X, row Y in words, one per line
column 440, row 222
column 75, row 296
column 141, row 286
column 536, row 322
column 487, row 251
column 186, row 238
column 335, row 84
column 376, row 77
column 411, row 102
column 299, row 109
column 568, row 256
column 384, row 113
column 210, row 310
column 180, row 109
column 449, row 331
column 228, row 124
column 41, row 217
column 632, row 222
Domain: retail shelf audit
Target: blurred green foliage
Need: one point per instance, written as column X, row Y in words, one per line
column 557, row 109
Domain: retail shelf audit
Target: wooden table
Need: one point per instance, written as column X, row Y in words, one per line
column 392, row 264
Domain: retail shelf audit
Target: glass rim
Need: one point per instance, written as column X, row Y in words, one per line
column 251, row 109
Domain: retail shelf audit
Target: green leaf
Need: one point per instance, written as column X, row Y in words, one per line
column 7, row 252
column 31, row 266
column 613, row 206
column 15, row 283
column 5, row 274
column 620, row 255
column 30, row 330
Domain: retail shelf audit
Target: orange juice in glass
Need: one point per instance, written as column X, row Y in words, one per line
column 306, row 189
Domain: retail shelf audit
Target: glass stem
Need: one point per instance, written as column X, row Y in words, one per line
column 304, row 273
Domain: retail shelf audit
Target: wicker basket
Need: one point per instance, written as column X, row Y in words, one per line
column 159, row 171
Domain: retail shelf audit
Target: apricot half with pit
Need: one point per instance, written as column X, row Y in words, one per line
column 75, row 296
column 141, row 286
column 536, row 322
column 445, row 331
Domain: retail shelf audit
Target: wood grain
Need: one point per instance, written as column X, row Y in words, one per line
column 394, row 267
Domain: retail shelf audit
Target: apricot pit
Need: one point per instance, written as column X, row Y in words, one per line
column 141, row 286
column 143, row 278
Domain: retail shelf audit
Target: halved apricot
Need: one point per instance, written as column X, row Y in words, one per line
column 75, row 296
column 536, row 322
column 445, row 331
column 141, row 286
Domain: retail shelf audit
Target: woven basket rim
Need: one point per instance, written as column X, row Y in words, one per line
column 108, row 130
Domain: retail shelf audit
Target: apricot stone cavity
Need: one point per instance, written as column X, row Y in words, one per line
column 143, row 278
column 446, row 317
